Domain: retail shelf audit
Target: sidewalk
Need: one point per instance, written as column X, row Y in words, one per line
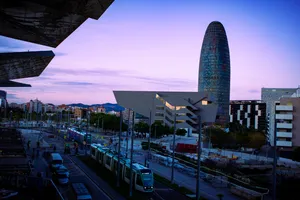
column 97, row 180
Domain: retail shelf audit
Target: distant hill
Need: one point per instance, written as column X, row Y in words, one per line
column 108, row 106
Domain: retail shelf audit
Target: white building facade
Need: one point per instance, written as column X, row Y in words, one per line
column 270, row 96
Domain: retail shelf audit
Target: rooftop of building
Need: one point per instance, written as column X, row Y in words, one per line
column 246, row 101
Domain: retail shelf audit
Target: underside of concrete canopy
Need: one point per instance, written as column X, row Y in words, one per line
column 22, row 65
column 47, row 22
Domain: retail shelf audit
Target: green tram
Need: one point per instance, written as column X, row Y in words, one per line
column 142, row 176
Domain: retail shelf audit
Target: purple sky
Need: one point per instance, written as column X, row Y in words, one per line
column 150, row 45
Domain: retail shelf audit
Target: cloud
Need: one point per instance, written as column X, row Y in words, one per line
column 172, row 82
column 254, row 91
column 15, row 98
column 53, row 71
column 12, row 96
column 60, row 54
column 73, row 83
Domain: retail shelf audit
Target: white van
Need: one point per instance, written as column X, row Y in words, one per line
column 55, row 161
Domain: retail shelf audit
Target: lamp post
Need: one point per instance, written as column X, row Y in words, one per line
column 131, row 157
column 127, row 133
column 199, row 159
column 10, row 117
column 149, row 138
column 119, row 150
column 98, row 128
column 275, row 159
column 173, row 155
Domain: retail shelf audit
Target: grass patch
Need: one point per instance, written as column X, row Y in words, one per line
column 109, row 177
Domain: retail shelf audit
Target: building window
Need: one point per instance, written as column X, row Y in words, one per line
column 159, row 114
column 93, row 151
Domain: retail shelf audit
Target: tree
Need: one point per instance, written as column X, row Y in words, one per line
column 142, row 127
column 181, row 132
column 257, row 139
column 110, row 122
column 160, row 129
column 220, row 138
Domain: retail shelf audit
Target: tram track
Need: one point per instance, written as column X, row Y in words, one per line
column 108, row 196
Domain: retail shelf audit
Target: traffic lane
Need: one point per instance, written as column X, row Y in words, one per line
column 164, row 192
column 93, row 189
column 73, row 169
column 78, row 176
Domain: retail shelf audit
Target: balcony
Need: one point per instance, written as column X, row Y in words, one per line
column 185, row 118
column 285, row 125
column 284, row 116
column 285, row 134
column 284, row 143
column 284, row 108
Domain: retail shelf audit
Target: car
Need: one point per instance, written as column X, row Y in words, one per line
column 61, row 169
column 61, row 175
column 81, row 192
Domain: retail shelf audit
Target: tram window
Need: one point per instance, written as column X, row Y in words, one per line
column 127, row 173
column 93, row 151
column 108, row 159
column 139, row 180
column 116, row 165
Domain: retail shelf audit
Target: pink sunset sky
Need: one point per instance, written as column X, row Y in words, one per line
column 150, row 45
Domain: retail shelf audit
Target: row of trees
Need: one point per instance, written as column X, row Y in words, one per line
column 104, row 121
column 158, row 129
column 112, row 122
column 238, row 136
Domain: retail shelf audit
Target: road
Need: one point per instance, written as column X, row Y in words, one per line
column 162, row 192
column 76, row 174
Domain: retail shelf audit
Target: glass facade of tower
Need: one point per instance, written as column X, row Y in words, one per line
column 214, row 68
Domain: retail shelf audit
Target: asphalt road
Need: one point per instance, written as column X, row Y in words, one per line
column 76, row 174
column 162, row 192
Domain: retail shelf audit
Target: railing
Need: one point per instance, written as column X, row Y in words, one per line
column 244, row 189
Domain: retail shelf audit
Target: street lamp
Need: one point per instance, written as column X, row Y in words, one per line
column 10, row 116
column 173, row 153
column 207, row 113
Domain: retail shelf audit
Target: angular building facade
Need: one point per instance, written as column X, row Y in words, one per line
column 214, row 69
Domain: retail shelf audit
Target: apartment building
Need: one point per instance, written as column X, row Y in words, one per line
column 250, row 113
column 270, row 96
column 288, row 122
